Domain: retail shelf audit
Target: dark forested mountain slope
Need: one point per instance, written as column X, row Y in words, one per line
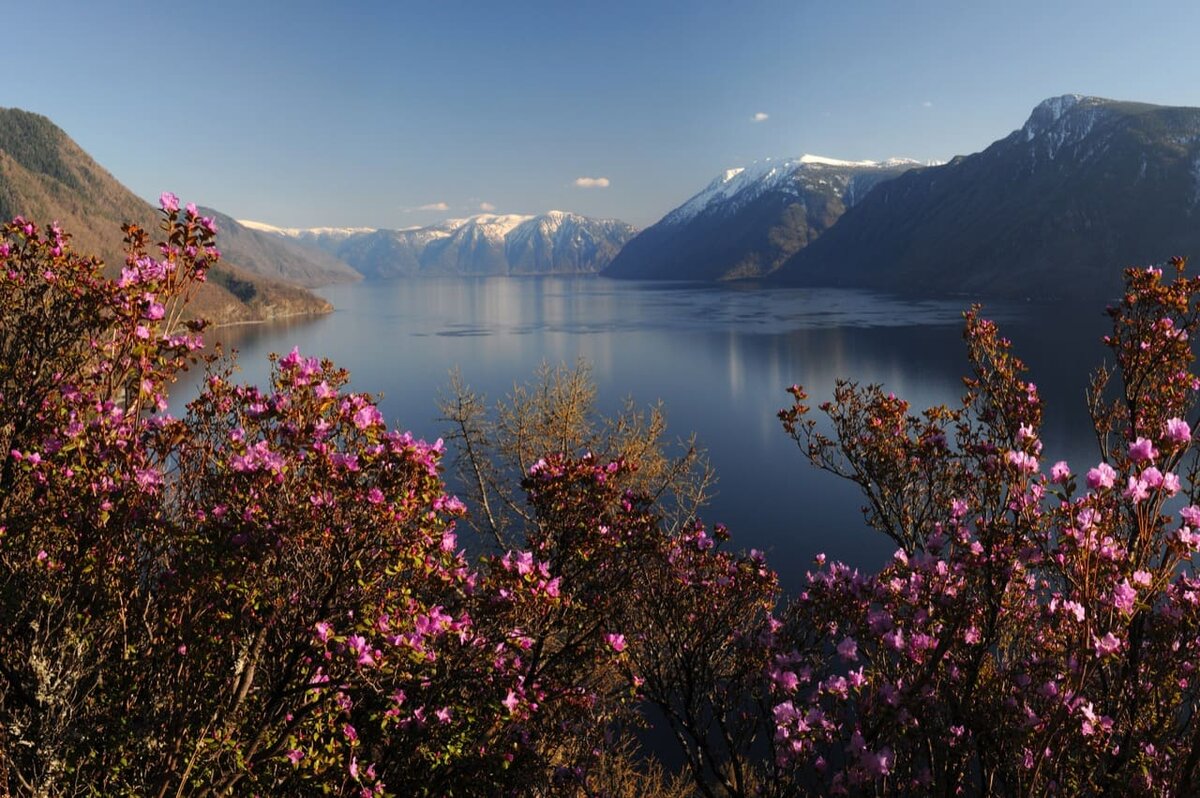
column 1057, row 208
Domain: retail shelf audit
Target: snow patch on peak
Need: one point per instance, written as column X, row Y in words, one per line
column 496, row 224
column 1062, row 122
column 823, row 161
column 1049, row 114
column 890, row 163
column 303, row 232
column 262, row 227
column 738, row 186
column 1053, row 108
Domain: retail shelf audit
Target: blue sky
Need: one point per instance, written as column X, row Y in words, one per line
column 393, row 114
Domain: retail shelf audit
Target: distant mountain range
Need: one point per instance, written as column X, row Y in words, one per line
column 749, row 221
column 488, row 244
column 1058, row 208
column 264, row 270
column 45, row 176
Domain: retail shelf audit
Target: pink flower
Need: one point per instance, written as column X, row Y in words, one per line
column 1142, row 450
column 366, row 416
column 786, row 680
column 1060, row 472
column 617, row 641
column 295, row 755
column 877, row 763
column 511, row 702
column 1102, row 476
column 1109, row 644
column 1137, row 490
column 848, row 649
column 1123, row 597
column 148, row 478
column 1024, row 461
column 1075, row 608
column 1178, row 431
column 168, row 202
column 1152, row 477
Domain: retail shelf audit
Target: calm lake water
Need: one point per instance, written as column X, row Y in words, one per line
column 719, row 357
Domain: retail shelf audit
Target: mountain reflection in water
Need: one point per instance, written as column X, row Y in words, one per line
column 719, row 357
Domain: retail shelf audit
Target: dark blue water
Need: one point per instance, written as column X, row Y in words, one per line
column 720, row 358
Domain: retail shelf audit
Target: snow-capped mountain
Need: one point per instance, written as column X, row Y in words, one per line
column 552, row 243
column 749, row 220
column 326, row 238
column 1086, row 187
column 564, row 242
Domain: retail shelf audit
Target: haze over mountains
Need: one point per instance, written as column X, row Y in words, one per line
column 487, row 244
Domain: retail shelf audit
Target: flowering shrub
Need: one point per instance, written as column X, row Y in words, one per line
column 638, row 573
column 83, row 370
column 1035, row 634
column 268, row 595
column 265, row 595
column 688, row 623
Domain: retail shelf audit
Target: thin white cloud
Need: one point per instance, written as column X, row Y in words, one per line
column 592, row 182
column 487, row 206
column 433, row 206
column 927, row 104
column 760, row 117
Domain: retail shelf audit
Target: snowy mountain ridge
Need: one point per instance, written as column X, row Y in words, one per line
column 488, row 243
column 301, row 232
column 735, row 188
column 749, row 220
